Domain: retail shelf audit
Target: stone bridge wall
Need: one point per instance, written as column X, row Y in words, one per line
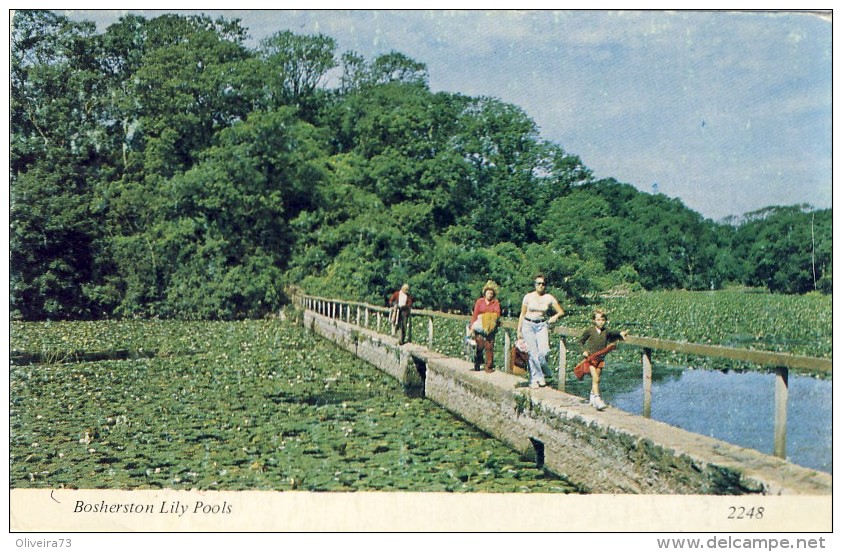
column 601, row 452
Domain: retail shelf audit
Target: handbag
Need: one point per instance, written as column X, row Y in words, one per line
column 519, row 358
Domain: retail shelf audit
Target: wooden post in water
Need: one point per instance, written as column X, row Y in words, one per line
column 781, row 397
column 430, row 333
column 562, row 364
column 506, row 350
column 646, row 360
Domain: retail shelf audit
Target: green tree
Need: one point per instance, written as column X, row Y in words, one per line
column 783, row 245
column 296, row 67
column 226, row 225
column 511, row 174
column 55, row 162
column 393, row 67
column 181, row 91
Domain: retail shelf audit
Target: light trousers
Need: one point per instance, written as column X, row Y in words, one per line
column 537, row 338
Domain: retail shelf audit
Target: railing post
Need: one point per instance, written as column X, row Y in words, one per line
column 506, row 350
column 562, row 364
column 646, row 360
column 358, row 315
column 378, row 322
column 392, row 327
column 781, row 397
column 366, row 317
column 430, row 333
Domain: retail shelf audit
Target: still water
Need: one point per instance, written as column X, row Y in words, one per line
column 739, row 408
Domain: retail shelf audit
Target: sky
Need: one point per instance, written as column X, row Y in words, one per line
column 728, row 111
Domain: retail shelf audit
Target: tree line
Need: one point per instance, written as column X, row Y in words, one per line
column 161, row 168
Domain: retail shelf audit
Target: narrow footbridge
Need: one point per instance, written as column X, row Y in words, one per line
column 601, row 452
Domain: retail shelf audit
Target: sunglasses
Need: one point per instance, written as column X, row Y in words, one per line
column 540, row 283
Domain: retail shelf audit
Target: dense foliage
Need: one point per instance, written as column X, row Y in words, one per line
column 162, row 168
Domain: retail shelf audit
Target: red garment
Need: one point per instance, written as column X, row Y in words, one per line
column 481, row 307
column 597, row 360
column 485, row 346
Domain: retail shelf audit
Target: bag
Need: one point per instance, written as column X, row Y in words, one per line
column 519, row 359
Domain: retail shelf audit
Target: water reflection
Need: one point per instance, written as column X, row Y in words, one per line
column 739, row 408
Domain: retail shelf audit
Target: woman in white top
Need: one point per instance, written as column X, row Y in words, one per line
column 533, row 327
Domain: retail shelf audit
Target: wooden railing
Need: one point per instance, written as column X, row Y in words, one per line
column 363, row 313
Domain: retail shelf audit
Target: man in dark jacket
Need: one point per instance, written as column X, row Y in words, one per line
column 401, row 304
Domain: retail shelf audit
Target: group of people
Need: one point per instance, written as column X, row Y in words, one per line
column 539, row 310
